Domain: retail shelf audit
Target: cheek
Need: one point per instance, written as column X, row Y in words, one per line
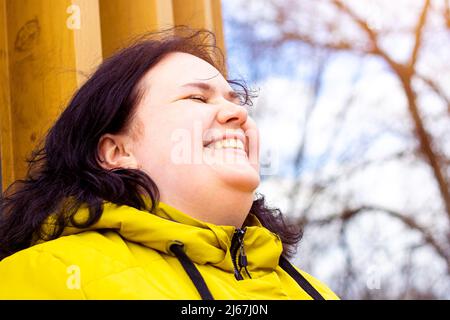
column 168, row 154
column 253, row 140
column 146, row 151
column 170, row 141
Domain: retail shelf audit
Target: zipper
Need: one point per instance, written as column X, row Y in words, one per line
column 238, row 255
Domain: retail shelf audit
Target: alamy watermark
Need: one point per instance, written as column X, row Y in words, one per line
column 73, row 281
column 73, row 22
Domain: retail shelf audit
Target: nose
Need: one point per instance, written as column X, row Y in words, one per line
column 231, row 112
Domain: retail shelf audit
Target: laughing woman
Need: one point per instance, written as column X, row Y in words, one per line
column 144, row 188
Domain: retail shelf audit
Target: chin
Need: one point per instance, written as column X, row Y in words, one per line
column 245, row 180
column 233, row 169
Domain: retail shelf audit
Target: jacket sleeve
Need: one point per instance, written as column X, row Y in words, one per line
column 35, row 274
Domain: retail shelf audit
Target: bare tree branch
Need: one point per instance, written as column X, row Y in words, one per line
column 436, row 89
column 288, row 36
column 404, row 74
column 371, row 44
column 316, row 86
column 426, row 143
column 373, row 37
column 447, row 13
column 407, row 220
column 418, row 36
column 350, row 273
column 361, row 166
column 339, row 125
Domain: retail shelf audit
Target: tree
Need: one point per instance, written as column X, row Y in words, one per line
column 410, row 40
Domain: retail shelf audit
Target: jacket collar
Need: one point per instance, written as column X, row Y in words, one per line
column 204, row 243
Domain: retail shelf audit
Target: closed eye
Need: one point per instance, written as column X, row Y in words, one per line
column 196, row 97
column 238, row 100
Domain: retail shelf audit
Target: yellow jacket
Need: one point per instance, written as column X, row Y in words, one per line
column 127, row 254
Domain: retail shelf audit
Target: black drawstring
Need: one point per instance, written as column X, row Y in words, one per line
column 192, row 271
column 202, row 288
column 297, row 276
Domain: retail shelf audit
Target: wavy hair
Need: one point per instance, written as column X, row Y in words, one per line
column 64, row 172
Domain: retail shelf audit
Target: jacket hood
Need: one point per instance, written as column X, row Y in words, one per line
column 204, row 243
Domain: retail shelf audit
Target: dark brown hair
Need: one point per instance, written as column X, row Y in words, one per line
column 65, row 166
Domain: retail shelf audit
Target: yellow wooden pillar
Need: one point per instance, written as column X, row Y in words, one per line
column 42, row 55
column 201, row 14
column 122, row 20
column 49, row 47
column 88, row 40
column 6, row 146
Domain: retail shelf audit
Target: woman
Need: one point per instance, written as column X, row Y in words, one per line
column 145, row 189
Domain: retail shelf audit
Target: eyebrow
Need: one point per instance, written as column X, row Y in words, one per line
column 232, row 95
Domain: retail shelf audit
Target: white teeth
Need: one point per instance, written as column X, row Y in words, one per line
column 228, row 143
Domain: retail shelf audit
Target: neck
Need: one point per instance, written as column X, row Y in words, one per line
column 227, row 207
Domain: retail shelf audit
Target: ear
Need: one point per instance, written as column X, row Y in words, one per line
column 115, row 152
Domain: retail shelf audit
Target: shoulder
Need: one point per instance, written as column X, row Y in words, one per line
column 63, row 268
column 35, row 273
column 104, row 250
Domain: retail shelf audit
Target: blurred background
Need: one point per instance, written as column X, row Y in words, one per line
column 353, row 105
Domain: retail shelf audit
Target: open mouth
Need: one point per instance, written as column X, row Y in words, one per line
column 226, row 143
column 229, row 141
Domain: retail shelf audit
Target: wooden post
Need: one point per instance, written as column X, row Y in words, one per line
column 122, row 20
column 201, row 14
column 88, row 40
column 6, row 147
column 44, row 47
column 49, row 47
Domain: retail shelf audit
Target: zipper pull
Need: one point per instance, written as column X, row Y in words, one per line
column 242, row 261
column 242, row 257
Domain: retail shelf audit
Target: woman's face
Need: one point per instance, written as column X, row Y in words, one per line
column 175, row 123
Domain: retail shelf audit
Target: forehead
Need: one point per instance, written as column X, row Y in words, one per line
column 179, row 68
